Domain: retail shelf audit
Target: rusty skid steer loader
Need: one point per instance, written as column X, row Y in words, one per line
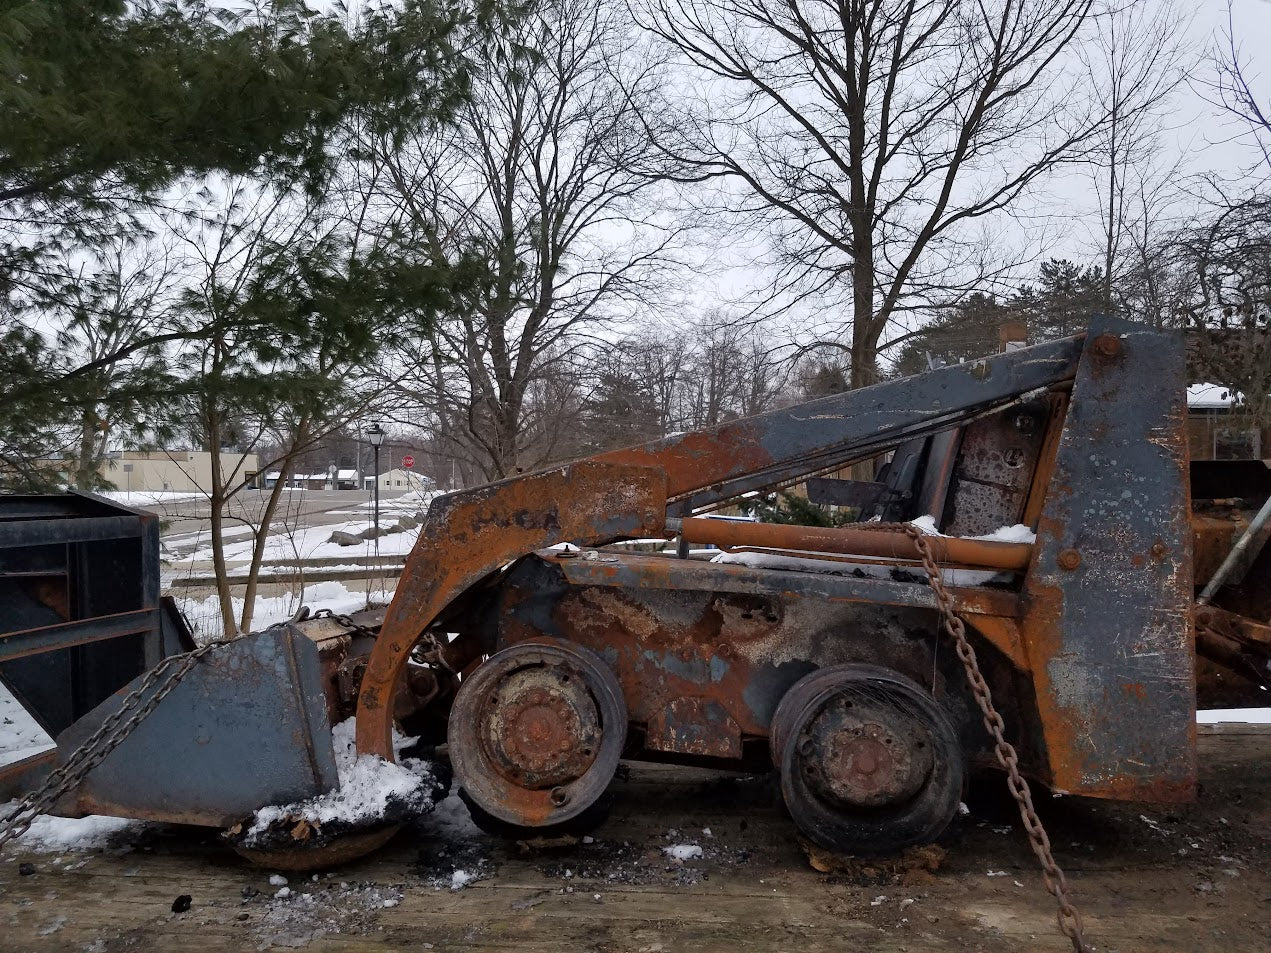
column 863, row 662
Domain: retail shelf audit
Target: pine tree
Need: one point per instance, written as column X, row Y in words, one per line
column 104, row 105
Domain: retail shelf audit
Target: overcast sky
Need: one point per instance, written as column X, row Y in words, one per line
column 1196, row 137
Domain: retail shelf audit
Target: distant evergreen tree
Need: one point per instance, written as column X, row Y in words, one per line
column 796, row 510
column 1062, row 302
column 620, row 412
column 822, row 380
column 966, row 330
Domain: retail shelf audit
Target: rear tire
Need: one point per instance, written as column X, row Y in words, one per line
column 870, row 764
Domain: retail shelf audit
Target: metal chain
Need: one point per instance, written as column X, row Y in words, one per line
column 346, row 621
column 434, row 652
column 1068, row 918
column 112, row 731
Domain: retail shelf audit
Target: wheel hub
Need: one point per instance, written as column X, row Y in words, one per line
column 860, row 758
column 541, row 727
column 869, row 762
column 535, row 733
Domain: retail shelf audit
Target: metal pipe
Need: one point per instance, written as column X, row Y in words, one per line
column 978, row 553
column 1216, row 581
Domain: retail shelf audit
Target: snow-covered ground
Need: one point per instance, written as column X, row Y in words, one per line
column 149, row 497
column 1215, row 716
column 20, row 735
column 204, row 614
column 308, row 543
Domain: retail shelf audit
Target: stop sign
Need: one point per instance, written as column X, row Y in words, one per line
column 408, row 461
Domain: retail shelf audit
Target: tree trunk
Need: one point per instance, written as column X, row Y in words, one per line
column 865, row 328
column 216, row 502
column 85, row 468
column 266, row 520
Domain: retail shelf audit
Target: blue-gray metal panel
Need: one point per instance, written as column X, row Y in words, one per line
column 247, row 727
column 15, row 645
column 71, row 530
column 1110, row 592
column 706, row 466
column 633, row 571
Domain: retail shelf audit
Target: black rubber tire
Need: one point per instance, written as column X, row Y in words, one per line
column 586, row 822
column 879, row 830
column 482, row 786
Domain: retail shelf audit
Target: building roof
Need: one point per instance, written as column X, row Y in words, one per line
column 1211, row 397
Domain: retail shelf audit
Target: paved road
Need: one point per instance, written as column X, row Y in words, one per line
column 187, row 523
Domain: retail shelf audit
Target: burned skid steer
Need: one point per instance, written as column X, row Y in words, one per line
column 863, row 662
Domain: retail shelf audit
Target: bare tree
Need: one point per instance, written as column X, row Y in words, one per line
column 730, row 371
column 1236, row 97
column 541, row 183
column 1139, row 58
column 1224, row 261
column 873, row 137
column 294, row 307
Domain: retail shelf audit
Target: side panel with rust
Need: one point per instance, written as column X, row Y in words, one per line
column 703, row 668
column 1108, row 596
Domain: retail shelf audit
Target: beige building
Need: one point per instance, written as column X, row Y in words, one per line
column 398, row 481
column 186, row 471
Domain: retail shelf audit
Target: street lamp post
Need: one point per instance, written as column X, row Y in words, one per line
column 375, row 434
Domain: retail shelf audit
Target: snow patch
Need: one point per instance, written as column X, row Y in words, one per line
column 371, row 790
column 20, row 734
column 1019, row 533
column 49, row 834
column 683, row 852
column 273, row 609
column 1253, row 716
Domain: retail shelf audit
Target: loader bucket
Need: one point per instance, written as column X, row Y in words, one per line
column 247, row 727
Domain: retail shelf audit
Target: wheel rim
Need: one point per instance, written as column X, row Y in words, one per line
column 869, row 762
column 536, row 732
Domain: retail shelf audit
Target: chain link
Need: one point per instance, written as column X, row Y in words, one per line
column 346, row 621
column 1068, row 917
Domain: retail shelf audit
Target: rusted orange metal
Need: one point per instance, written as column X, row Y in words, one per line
column 470, row 535
column 950, row 551
column 1084, row 635
column 1232, row 639
column 1213, row 535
